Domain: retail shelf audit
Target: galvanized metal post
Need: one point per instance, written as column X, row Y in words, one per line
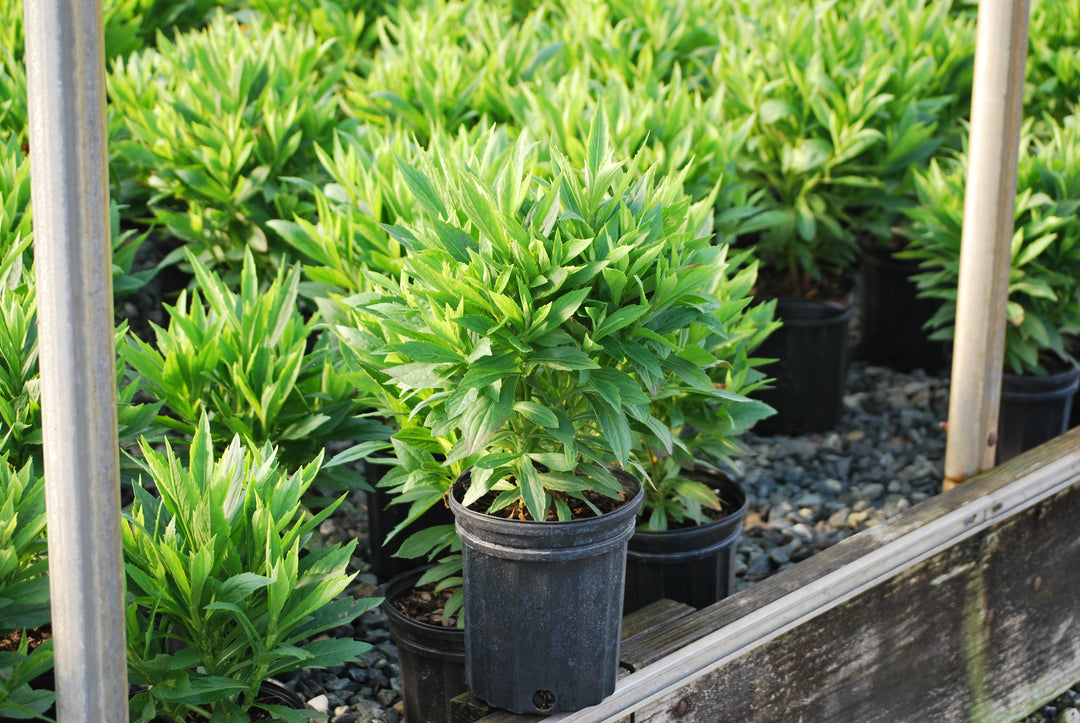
column 989, row 201
column 65, row 61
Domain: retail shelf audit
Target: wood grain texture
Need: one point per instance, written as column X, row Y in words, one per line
column 986, row 631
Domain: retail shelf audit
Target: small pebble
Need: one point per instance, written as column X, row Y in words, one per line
column 320, row 703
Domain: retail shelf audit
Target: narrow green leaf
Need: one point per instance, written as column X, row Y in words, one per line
column 537, row 414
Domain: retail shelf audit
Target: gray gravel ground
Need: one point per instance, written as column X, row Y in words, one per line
column 805, row 494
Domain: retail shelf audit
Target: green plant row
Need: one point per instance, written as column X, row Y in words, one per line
column 517, row 237
column 211, row 116
column 1044, row 290
column 226, row 585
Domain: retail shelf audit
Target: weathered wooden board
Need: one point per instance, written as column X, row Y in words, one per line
column 966, row 607
column 985, row 630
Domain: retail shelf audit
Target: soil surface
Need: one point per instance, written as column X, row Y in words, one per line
column 830, row 287
column 425, row 605
column 10, row 643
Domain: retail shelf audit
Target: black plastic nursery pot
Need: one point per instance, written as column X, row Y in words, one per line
column 693, row 565
column 543, row 604
column 811, row 350
column 1034, row 409
column 431, row 658
column 891, row 315
column 384, row 517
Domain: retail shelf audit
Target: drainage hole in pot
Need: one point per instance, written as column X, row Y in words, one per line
column 543, row 700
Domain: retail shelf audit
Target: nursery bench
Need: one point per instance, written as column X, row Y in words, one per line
column 961, row 608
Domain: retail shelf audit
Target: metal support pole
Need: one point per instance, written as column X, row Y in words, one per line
column 989, row 201
column 65, row 61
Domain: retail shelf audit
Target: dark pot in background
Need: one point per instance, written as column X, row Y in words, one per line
column 431, row 658
column 1034, row 409
column 384, row 517
column 543, row 604
column 891, row 315
column 811, row 349
column 693, row 565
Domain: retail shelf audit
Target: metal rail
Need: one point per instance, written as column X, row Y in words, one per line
column 65, row 63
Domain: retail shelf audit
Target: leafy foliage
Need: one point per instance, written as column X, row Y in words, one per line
column 445, row 66
column 1044, row 295
column 348, row 233
column 252, row 365
column 702, row 429
column 24, row 590
column 213, row 121
column 816, row 89
column 1053, row 62
column 543, row 313
column 13, row 117
column 221, row 596
column 20, row 393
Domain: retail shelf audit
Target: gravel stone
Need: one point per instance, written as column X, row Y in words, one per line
column 320, row 703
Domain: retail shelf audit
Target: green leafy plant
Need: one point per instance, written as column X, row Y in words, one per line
column 20, row 393
column 253, row 365
column 441, row 67
column 543, row 313
column 656, row 40
column 677, row 131
column 224, row 587
column 818, row 91
column 1053, row 65
column 211, row 122
column 419, row 471
column 13, row 118
column 1044, row 295
column 348, row 234
column 24, row 592
column 931, row 56
column 15, row 227
column 703, row 429
column 419, row 478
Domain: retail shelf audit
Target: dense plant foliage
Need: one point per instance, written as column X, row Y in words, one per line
column 702, row 428
column 24, row 591
column 224, row 584
column 489, row 251
column 543, row 313
column 251, row 362
column 212, row 121
column 1044, row 293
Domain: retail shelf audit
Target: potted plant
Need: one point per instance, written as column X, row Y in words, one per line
column 817, row 88
column 544, row 310
column 684, row 545
column 430, row 645
column 225, row 590
column 413, row 535
column 932, row 59
column 423, row 604
column 1043, row 312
